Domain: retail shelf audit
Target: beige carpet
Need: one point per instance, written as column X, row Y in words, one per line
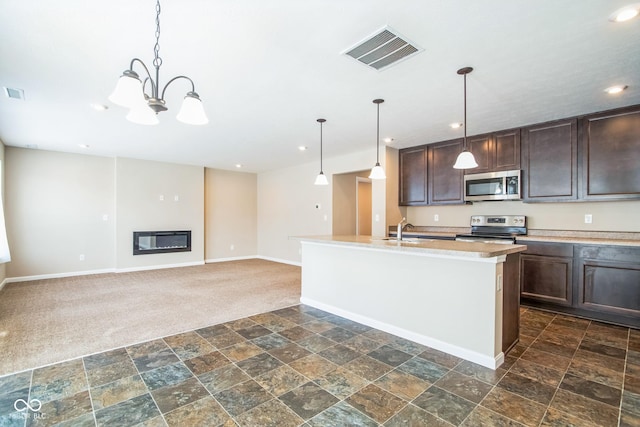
column 48, row 321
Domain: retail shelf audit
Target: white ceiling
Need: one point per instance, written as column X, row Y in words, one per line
column 267, row 69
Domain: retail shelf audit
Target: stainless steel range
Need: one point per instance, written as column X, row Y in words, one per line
column 495, row 229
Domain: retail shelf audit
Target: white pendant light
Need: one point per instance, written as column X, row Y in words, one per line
column 142, row 115
column 377, row 172
column 465, row 159
column 129, row 91
column 321, row 179
column 192, row 112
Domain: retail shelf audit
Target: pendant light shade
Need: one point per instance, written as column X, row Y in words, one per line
column 192, row 112
column 377, row 172
column 465, row 159
column 128, row 91
column 321, row 179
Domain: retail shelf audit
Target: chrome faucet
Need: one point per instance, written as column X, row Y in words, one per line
column 399, row 233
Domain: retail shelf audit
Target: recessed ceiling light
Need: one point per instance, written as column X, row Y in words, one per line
column 388, row 140
column 83, row 145
column 238, row 165
column 626, row 13
column 99, row 107
column 302, row 148
column 614, row 90
column 455, row 125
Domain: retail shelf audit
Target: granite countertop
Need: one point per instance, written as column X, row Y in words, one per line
column 613, row 238
column 421, row 246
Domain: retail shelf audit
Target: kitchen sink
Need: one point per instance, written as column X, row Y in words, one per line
column 394, row 240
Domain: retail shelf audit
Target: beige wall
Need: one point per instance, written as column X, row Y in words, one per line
column 231, row 214
column 62, row 206
column 287, row 200
column 3, row 267
column 140, row 186
column 55, row 205
column 607, row 216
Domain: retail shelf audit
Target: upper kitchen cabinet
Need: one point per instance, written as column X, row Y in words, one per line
column 494, row 152
column 445, row 182
column 413, row 176
column 549, row 161
column 610, row 151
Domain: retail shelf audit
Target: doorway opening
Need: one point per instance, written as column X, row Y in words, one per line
column 352, row 204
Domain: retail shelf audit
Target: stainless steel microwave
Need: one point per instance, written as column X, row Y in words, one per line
column 503, row 185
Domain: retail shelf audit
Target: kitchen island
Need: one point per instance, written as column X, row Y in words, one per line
column 457, row 297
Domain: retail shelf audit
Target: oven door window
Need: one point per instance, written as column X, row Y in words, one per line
column 485, row 187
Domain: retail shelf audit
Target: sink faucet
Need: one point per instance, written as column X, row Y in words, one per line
column 399, row 234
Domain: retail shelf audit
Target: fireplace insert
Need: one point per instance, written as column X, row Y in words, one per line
column 157, row 242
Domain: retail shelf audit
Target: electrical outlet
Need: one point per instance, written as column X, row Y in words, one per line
column 232, row 247
column 436, row 217
column 81, row 257
column 588, row 218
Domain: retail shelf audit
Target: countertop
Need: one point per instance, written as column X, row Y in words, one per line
column 557, row 236
column 421, row 246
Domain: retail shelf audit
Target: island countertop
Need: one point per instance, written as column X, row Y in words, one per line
column 421, row 246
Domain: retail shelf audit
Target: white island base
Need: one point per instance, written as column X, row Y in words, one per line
column 447, row 300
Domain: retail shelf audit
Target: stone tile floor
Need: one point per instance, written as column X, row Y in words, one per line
column 302, row 366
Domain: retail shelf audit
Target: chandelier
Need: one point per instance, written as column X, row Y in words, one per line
column 144, row 107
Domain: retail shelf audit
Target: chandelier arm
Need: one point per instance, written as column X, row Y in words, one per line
column 154, row 86
column 193, row 88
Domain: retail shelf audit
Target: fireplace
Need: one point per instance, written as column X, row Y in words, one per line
column 159, row 242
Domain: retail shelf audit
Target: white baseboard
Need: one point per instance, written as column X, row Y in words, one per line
column 282, row 261
column 57, row 275
column 472, row 356
column 237, row 258
column 4, row 282
column 92, row 272
column 158, row 267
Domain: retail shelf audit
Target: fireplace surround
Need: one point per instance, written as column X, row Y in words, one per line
column 157, row 242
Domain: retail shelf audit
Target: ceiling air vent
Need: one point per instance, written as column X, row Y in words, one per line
column 14, row 93
column 382, row 49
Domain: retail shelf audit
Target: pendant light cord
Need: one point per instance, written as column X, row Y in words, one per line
column 378, row 137
column 321, row 147
column 465, row 111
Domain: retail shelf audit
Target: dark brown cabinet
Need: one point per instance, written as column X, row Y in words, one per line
column 600, row 282
column 550, row 161
column 546, row 271
column 413, row 176
column 445, row 182
column 499, row 151
column 609, row 280
column 610, row 146
column 427, row 176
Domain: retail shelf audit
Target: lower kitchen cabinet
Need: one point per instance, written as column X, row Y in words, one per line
column 599, row 282
column 546, row 271
column 609, row 280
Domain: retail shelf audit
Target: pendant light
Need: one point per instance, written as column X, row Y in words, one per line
column 321, row 179
column 143, row 107
column 377, row 172
column 465, row 159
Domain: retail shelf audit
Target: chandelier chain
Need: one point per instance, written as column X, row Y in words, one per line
column 157, row 61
